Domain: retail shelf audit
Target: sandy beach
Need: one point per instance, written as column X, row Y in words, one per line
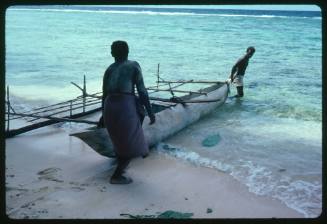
column 51, row 175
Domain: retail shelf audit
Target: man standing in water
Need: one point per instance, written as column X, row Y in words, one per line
column 121, row 112
column 238, row 71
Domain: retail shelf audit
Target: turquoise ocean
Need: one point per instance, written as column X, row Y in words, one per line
column 270, row 141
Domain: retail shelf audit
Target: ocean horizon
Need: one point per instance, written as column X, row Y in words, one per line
column 271, row 140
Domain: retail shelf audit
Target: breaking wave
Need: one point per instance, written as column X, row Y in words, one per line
column 163, row 13
column 299, row 195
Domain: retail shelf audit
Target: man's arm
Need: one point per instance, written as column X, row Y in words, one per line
column 104, row 87
column 104, row 95
column 143, row 93
column 235, row 68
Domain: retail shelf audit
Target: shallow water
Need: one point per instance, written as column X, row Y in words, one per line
column 265, row 154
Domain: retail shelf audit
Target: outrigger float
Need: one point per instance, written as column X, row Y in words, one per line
column 172, row 114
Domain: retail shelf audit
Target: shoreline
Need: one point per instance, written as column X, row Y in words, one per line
column 51, row 175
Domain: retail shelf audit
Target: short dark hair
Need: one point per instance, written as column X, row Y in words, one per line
column 252, row 49
column 119, row 49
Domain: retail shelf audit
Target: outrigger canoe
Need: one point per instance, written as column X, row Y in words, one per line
column 171, row 117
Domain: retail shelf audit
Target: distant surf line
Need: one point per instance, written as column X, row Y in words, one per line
column 147, row 12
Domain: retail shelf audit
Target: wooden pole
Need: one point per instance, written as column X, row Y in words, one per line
column 18, row 131
column 70, row 104
column 191, row 81
column 184, row 101
column 84, row 94
column 59, row 112
column 174, row 87
column 77, row 86
column 170, row 90
column 165, row 84
column 8, row 109
column 71, row 108
column 55, row 118
column 158, row 76
column 12, row 109
column 49, row 106
column 36, row 111
column 94, row 96
column 179, row 91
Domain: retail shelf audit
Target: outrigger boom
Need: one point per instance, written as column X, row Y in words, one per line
column 191, row 81
column 50, row 121
column 86, row 100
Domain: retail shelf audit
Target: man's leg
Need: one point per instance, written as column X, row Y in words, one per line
column 117, row 177
column 240, row 92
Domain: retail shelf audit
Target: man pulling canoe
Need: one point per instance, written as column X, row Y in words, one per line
column 238, row 71
column 122, row 110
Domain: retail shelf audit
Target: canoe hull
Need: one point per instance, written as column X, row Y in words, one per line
column 168, row 122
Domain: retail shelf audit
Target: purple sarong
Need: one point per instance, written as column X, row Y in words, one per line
column 124, row 127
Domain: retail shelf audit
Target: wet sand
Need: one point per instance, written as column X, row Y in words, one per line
column 51, row 175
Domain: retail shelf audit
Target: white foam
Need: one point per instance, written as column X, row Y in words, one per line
column 192, row 157
column 148, row 12
column 300, row 195
column 70, row 127
column 108, row 11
